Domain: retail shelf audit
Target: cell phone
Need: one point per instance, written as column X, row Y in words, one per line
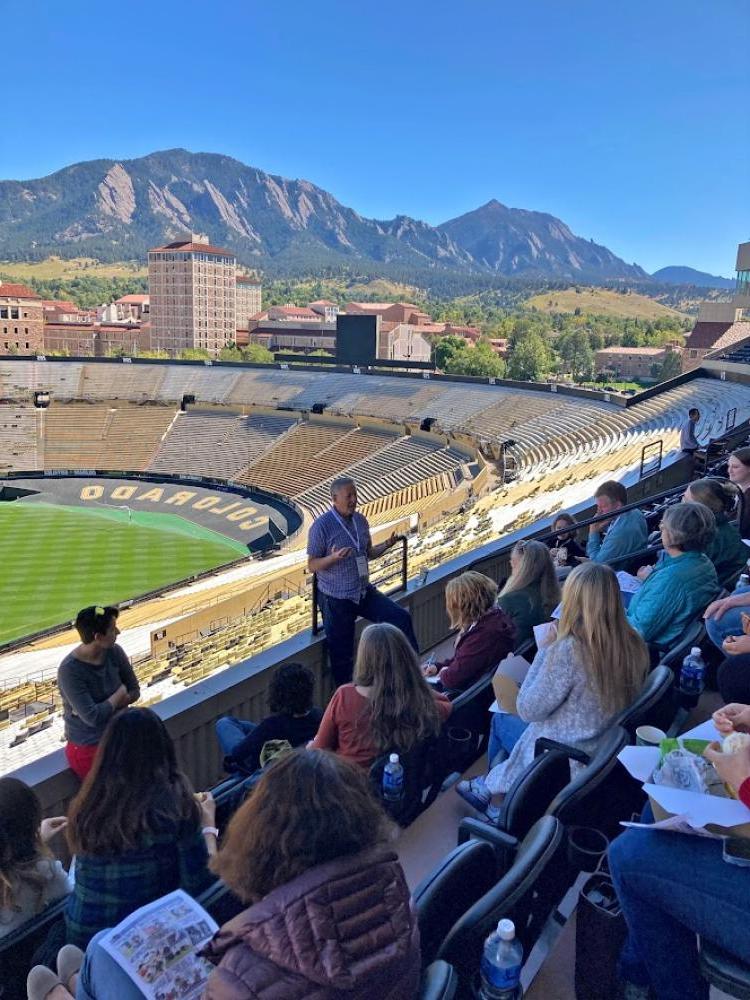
column 736, row 851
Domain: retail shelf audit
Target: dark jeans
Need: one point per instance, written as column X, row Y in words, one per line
column 673, row 886
column 339, row 616
column 734, row 679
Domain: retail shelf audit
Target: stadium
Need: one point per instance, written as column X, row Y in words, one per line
column 184, row 492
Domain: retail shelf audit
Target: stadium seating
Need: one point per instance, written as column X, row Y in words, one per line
column 19, row 444
column 216, row 443
column 527, row 893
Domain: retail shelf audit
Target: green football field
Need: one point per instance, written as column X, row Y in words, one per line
column 57, row 560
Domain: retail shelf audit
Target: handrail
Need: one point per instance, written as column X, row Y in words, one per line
column 658, row 458
column 404, row 577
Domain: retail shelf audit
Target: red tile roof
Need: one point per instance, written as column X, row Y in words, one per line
column 705, row 335
column 245, row 279
column 10, row 291
column 60, row 305
column 730, row 337
column 135, row 299
column 193, row 248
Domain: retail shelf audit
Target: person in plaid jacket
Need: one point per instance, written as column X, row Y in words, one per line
column 136, row 828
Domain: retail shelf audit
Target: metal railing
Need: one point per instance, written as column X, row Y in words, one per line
column 655, row 460
column 393, row 569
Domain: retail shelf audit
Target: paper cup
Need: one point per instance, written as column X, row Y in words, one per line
column 649, row 736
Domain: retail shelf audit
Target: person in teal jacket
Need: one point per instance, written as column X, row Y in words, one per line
column 623, row 534
column 727, row 551
column 683, row 582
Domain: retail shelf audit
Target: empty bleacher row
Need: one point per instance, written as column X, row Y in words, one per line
column 546, row 427
column 18, row 438
column 402, row 463
column 216, row 443
column 313, row 452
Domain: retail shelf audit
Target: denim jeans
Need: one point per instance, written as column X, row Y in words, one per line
column 505, row 732
column 101, row 978
column 339, row 616
column 671, row 887
column 729, row 623
column 230, row 732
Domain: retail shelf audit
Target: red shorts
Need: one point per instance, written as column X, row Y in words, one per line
column 80, row 758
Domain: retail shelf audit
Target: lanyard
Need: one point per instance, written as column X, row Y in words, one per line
column 342, row 522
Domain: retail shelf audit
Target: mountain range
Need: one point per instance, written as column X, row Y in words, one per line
column 689, row 276
column 117, row 210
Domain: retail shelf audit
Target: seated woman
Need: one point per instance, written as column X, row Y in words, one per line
column 592, row 671
column 726, row 550
column 388, row 706
column 565, row 549
column 733, row 677
column 135, row 827
column 30, row 878
column 329, row 913
column 486, row 633
column 673, row 888
column 294, row 719
column 738, row 470
column 95, row 681
column 531, row 592
column 682, row 582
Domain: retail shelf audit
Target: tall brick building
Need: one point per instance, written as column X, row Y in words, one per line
column 248, row 299
column 21, row 320
column 192, row 295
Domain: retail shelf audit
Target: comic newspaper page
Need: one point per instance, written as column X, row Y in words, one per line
column 157, row 945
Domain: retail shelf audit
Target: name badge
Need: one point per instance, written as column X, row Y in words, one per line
column 362, row 567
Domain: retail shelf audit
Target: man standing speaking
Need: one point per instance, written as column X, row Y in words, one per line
column 339, row 548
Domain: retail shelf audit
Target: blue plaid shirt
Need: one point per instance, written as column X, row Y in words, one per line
column 327, row 533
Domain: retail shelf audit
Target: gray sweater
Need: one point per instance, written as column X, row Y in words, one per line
column 85, row 689
column 559, row 702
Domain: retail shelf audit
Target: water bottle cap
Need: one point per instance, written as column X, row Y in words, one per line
column 695, row 651
column 506, row 929
column 393, row 758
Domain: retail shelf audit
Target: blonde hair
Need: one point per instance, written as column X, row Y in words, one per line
column 615, row 656
column 468, row 597
column 536, row 568
column 402, row 710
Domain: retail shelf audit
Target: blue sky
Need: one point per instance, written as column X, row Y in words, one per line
column 628, row 121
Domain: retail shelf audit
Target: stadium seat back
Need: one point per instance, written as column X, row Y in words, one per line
column 692, row 636
column 461, row 878
column 424, row 770
column 530, row 795
column 221, row 902
column 654, row 706
column 439, row 982
column 18, row 949
column 599, row 794
column 527, row 894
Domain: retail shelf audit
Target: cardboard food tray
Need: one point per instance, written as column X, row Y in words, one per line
column 725, row 817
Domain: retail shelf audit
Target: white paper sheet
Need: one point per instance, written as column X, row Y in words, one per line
column 705, row 731
column 699, row 809
column 677, row 824
column 628, row 583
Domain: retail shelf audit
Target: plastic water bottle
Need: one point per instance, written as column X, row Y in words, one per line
column 501, row 964
column 693, row 673
column 743, row 581
column 393, row 779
